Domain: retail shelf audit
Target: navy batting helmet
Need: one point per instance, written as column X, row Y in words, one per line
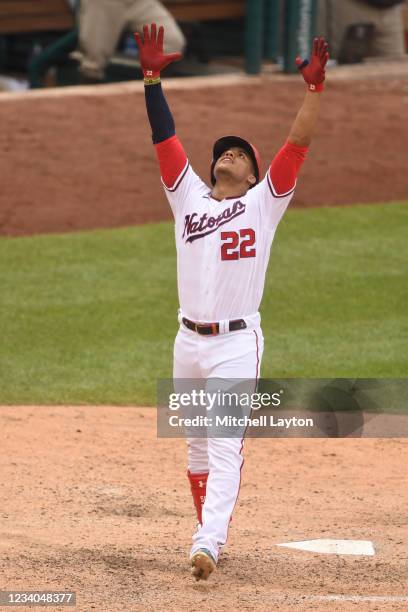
column 226, row 142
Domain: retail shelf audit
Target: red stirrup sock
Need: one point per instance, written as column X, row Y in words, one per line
column 198, row 484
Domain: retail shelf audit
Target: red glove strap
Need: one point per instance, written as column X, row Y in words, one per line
column 316, row 88
column 151, row 77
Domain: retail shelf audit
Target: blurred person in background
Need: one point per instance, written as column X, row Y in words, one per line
column 102, row 22
column 363, row 28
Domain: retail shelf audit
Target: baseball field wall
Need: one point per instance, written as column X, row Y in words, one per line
column 82, row 158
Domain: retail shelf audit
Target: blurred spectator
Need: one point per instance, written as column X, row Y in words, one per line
column 102, row 22
column 360, row 28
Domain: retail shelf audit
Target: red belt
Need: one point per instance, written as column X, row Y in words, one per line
column 212, row 329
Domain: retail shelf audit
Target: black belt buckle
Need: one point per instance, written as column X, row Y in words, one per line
column 204, row 329
column 210, row 329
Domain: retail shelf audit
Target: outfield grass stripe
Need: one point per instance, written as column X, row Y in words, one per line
column 90, row 317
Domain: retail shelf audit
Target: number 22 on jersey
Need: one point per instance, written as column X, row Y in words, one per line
column 238, row 245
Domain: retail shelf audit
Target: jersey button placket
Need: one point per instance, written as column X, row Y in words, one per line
column 206, row 279
column 209, row 266
column 204, row 289
column 211, row 274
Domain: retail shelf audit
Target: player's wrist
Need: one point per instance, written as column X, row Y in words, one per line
column 151, row 77
column 315, row 88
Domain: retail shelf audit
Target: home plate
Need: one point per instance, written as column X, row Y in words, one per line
column 336, row 547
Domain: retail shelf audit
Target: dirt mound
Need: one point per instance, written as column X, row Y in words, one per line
column 93, row 502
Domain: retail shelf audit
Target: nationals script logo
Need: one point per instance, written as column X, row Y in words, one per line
column 196, row 227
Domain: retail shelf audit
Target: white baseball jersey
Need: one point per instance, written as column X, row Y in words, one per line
column 222, row 246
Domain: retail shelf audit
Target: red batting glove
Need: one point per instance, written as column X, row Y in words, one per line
column 152, row 58
column 314, row 72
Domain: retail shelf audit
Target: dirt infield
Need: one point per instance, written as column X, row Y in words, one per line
column 80, row 162
column 93, row 502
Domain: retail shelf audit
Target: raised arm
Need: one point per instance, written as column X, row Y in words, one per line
column 314, row 75
column 169, row 150
column 286, row 164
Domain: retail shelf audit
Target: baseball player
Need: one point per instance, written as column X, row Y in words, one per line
column 223, row 238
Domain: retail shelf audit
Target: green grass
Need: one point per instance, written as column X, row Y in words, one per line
column 91, row 317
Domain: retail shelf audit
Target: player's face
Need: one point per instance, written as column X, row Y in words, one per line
column 236, row 163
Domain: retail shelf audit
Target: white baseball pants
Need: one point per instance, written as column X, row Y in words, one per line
column 235, row 355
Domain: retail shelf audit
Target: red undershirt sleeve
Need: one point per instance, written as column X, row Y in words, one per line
column 285, row 167
column 172, row 160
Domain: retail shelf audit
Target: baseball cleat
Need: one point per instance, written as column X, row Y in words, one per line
column 202, row 564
